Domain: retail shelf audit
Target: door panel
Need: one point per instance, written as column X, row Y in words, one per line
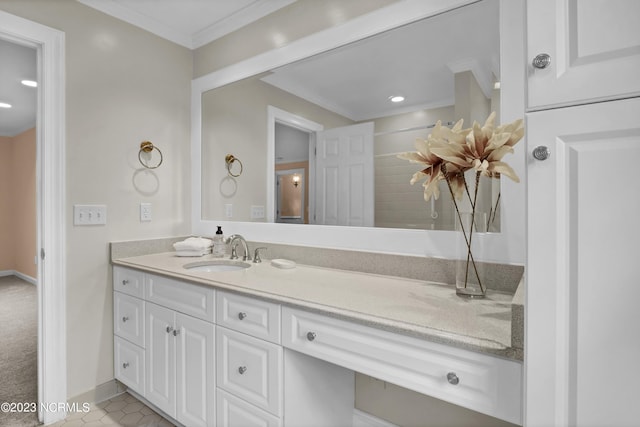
column 195, row 362
column 344, row 170
column 160, row 358
column 582, row 286
column 594, row 47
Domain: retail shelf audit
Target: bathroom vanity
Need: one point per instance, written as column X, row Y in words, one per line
column 268, row 346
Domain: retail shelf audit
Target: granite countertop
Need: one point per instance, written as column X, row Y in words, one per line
column 423, row 309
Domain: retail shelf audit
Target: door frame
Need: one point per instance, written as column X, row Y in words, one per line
column 50, row 193
column 276, row 115
column 303, row 201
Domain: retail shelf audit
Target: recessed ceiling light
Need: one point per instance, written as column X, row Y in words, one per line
column 396, row 98
column 4, row 105
column 29, row 83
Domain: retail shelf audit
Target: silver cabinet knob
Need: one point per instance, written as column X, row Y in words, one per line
column 125, row 282
column 541, row 61
column 169, row 329
column 453, row 378
column 541, row 152
column 125, row 365
column 176, row 332
column 125, row 318
column 242, row 370
column 242, row 315
column 311, row 336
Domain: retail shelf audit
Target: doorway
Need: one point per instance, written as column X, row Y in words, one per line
column 50, row 199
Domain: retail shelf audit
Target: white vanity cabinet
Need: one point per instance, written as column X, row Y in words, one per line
column 250, row 361
column 164, row 350
column 128, row 328
column 207, row 356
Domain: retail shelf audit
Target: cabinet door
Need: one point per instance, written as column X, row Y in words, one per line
column 583, row 338
column 195, row 371
column 160, row 358
column 234, row 412
column 594, row 48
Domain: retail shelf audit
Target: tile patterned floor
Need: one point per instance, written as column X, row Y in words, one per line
column 123, row 410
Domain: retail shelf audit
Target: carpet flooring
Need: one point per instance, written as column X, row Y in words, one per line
column 18, row 349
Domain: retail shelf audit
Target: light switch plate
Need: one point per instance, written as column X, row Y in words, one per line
column 89, row 215
column 257, row 212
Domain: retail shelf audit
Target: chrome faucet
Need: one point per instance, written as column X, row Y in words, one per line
column 233, row 241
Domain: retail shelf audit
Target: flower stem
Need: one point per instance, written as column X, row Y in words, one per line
column 473, row 221
column 464, row 233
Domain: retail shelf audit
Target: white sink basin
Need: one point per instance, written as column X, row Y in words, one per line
column 213, row 266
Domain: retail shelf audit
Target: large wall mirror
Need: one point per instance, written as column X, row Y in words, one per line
column 320, row 133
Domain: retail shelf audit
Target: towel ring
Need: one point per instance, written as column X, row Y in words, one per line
column 229, row 160
column 148, row 147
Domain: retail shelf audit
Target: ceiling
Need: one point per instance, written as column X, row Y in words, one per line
column 418, row 61
column 190, row 23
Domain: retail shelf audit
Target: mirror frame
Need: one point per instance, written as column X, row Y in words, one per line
column 508, row 246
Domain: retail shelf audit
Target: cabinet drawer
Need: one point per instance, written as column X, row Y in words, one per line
column 128, row 281
column 188, row 298
column 486, row 384
column 257, row 318
column 129, row 365
column 250, row 369
column 233, row 412
column 128, row 318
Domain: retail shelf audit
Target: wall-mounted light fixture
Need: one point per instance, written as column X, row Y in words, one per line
column 296, row 180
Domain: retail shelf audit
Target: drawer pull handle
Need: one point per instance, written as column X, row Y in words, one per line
column 125, row 282
column 125, row 318
column 453, row 378
column 176, row 332
column 242, row 370
column 169, row 329
column 311, row 336
column 125, row 365
column 242, row 315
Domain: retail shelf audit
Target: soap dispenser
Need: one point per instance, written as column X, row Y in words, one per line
column 219, row 246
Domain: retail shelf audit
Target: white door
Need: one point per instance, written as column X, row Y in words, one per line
column 344, row 176
column 583, row 283
column 195, row 363
column 160, row 358
column 594, row 48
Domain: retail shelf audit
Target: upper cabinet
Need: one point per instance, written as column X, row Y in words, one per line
column 582, row 51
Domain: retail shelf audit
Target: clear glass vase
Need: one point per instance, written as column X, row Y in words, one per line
column 470, row 274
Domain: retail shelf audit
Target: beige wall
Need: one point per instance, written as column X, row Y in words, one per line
column 123, row 85
column 18, row 228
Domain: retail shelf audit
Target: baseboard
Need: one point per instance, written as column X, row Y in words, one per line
column 363, row 419
column 22, row 276
column 101, row 393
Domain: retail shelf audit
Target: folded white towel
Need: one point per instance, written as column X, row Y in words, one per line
column 193, row 244
column 192, row 253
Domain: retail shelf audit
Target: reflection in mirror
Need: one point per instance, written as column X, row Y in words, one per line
column 442, row 71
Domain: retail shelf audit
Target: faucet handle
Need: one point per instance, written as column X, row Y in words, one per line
column 256, row 254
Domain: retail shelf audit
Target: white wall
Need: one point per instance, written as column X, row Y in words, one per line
column 123, row 86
